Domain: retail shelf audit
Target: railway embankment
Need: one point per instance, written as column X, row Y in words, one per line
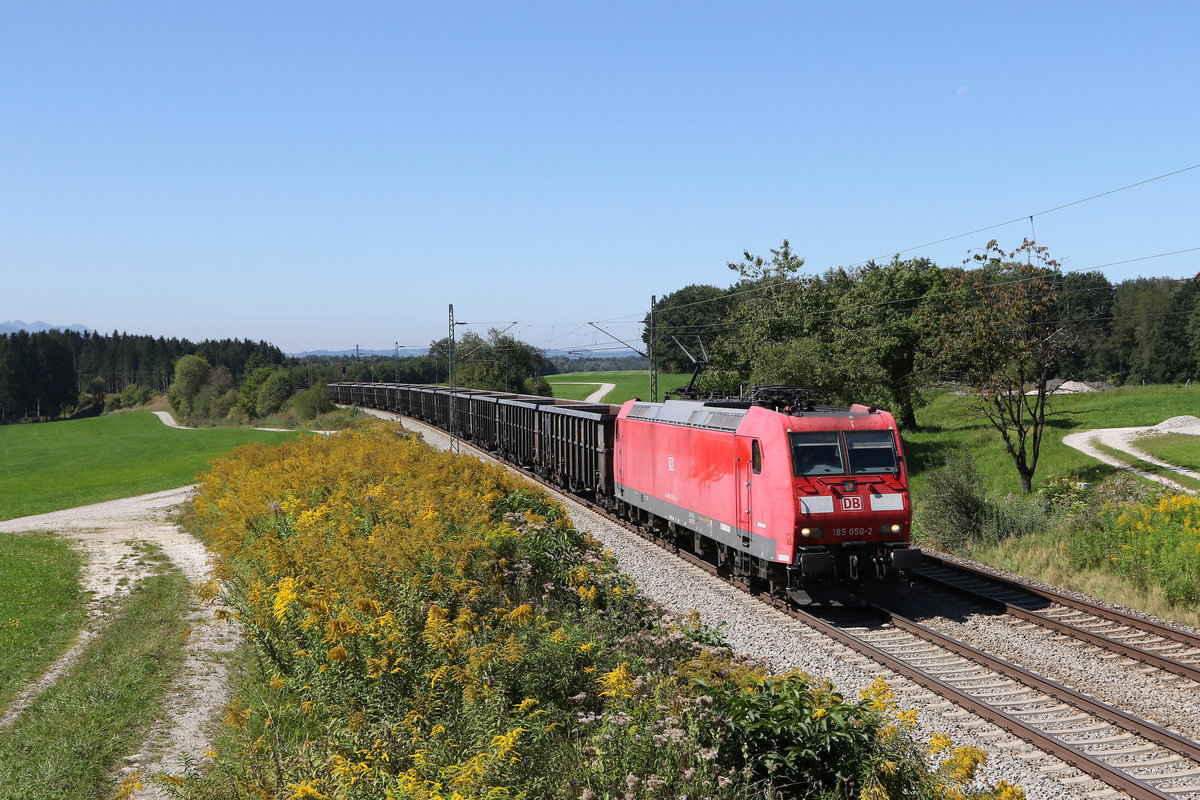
column 786, row 644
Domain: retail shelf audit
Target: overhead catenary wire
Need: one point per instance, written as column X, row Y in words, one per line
column 726, row 325
column 638, row 318
column 984, row 229
column 1031, row 216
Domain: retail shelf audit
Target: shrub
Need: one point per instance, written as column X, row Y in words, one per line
column 273, row 393
column 312, row 402
column 953, row 509
column 1011, row 516
column 1064, row 494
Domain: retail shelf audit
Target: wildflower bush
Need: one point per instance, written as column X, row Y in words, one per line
column 1155, row 542
column 431, row 627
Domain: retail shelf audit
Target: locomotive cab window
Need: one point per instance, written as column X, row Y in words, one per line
column 756, row 457
column 816, row 453
column 871, row 452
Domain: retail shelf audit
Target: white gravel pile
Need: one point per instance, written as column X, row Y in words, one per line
column 1175, row 423
column 785, row 644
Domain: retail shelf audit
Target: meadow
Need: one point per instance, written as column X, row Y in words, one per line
column 1180, row 449
column 69, row 741
column 946, row 424
column 57, row 465
column 630, row 383
column 1133, row 461
column 67, row 744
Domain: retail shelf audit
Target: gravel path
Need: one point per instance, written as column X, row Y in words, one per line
column 1125, row 440
column 786, row 644
column 170, row 422
column 112, row 536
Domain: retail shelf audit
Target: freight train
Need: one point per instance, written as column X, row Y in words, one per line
column 774, row 488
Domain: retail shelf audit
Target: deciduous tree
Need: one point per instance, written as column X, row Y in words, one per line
column 1001, row 340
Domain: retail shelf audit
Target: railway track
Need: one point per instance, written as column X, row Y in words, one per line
column 1134, row 757
column 1151, row 643
column 1131, row 755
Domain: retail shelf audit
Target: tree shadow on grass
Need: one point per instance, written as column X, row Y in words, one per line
column 921, row 456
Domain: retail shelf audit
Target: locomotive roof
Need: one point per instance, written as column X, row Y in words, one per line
column 720, row 415
column 689, row 412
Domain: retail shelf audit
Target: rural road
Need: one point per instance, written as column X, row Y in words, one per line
column 1125, row 440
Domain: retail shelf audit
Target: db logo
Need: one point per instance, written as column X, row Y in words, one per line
column 852, row 503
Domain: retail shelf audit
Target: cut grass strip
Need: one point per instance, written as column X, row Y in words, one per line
column 1145, row 466
column 629, row 383
column 1180, row 449
column 69, row 742
column 41, row 607
column 56, row 465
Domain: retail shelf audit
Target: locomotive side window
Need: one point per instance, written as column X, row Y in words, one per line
column 816, row 453
column 756, row 457
column 871, row 452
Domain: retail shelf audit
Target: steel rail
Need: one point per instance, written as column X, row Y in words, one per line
column 1084, row 762
column 1161, row 736
column 1113, row 615
column 1149, row 657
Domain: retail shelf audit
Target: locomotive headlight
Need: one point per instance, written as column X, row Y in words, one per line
column 895, row 529
column 810, row 533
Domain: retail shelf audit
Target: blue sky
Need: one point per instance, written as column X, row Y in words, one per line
column 322, row 175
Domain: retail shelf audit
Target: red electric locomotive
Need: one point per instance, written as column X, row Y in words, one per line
column 774, row 487
column 781, row 489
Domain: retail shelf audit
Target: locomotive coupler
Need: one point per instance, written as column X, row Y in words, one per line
column 881, row 565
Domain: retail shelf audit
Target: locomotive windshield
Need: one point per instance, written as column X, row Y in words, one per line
column 871, row 452
column 820, row 453
column 816, row 453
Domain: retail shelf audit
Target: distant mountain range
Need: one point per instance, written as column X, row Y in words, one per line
column 420, row 351
column 12, row 326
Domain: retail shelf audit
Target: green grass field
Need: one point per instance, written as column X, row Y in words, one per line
column 40, row 607
column 946, row 423
column 56, row 465
column 630, row 383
